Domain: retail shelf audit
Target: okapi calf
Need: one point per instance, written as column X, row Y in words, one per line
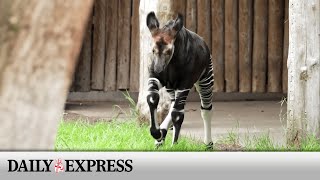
column 180, row 59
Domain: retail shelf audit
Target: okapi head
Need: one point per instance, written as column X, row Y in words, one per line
column 163, row 40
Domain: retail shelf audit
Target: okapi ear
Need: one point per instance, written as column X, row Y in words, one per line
column 178, row 23
column 152, row 23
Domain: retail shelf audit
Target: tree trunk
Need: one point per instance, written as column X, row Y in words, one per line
column 164, row 11
column 303, row 70
column 39, row 46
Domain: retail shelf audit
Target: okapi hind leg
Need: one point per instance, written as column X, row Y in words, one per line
column 206, row 117
column 205, row 89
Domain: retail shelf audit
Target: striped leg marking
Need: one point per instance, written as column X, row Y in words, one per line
column 205, row 89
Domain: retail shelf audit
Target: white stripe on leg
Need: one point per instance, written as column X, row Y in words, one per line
column 167, row 121
column 156, row 118
column 173, row 134
column 206, row 117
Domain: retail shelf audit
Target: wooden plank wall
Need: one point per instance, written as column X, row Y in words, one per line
column 110, row 71
column 98, row 55
column 245, row 44
column 248, row 40
column 260, row 46
column 231, row 55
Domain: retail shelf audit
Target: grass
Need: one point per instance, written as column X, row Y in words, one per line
column 79, row 135
column 131, row 136
column 115, row 136
column 262, row 142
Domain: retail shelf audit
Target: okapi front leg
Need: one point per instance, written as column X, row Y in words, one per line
column 153, row 99
column 177, row 114
column 168, row 120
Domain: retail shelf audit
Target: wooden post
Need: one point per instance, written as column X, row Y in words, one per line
column 245, row 44
column 285, row 47
column 179, row 6
column 260, row 46
column 231, row 45
column 275, row 45
column 123, row 49
column 37, row 58
column 191, row 19
column 135, row 47
column 110, row 78
column 217, row 24
column 83, row 72
column 204, row 20
column 191, row 15
column 164, row 12
column 303, row 116
column 98, row 56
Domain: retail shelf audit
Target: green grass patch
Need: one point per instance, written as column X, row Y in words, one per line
column 262, row 142
column 78, row 135
column 115, row 136
column 131, row 136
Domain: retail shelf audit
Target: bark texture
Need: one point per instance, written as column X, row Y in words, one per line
column 303, row 70
column 39, row 46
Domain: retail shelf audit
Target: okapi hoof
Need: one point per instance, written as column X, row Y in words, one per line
column 159, row 143
column 209, row 146
column 156, row 134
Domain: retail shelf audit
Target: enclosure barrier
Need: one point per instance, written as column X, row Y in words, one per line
column 248, row 40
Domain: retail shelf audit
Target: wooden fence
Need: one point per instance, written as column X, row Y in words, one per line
column 109, row 59
column 248, row 39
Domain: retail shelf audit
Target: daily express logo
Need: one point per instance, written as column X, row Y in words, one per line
column 60, row 165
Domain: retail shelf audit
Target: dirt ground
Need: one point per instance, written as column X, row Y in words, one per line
column 243, row 117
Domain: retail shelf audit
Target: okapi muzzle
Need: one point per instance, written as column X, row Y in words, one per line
column 162, row 55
